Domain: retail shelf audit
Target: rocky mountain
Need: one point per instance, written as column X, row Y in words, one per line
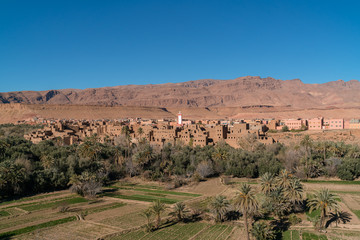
column 240, row 92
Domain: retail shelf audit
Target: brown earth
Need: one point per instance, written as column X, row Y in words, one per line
column 10, row 113
column 292, row 138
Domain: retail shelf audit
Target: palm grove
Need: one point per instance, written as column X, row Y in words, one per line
column 27, row 168
column 266, row 214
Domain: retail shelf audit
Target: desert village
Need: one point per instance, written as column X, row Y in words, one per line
column 163, row 131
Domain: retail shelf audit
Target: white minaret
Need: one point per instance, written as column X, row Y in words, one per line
column 179, row 118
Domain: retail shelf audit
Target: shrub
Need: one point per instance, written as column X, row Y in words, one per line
column 349, row 169
column 285, row 129
column 293, row 219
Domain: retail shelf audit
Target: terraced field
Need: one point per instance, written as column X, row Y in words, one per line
column 196, row 231
column 120, row 208
column 117, row 214
column 148, row 193
column 28, row 215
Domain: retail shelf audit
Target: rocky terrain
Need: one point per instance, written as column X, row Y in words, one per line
column 240, row 92
column 245, row 97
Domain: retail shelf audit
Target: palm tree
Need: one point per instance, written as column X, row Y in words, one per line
column 277, row 203
column 89, row 149
column 284, row 178
column 148, row 214
column 307, row 143
column 247, row 203
column 140, row 131
column 325, row 202
column 47, row 161
column 157, row 208
column 179, row 211
column 267, row 182
column 219, row 206
column 262, row 231
column 125, row 130
column 294, row 192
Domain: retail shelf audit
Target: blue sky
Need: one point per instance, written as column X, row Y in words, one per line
column 85, row 44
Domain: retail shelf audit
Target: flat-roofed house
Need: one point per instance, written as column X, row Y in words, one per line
column 354, row 124
column 315, row 123
column 335, row 124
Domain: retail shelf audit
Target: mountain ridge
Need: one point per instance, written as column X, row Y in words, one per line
column 242, row 91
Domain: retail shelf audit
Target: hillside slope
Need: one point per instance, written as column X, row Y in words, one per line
column 240, row 92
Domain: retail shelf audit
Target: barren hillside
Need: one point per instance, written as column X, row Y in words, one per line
column 240, row 92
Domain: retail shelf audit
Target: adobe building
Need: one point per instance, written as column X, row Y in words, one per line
column 333, row 124
column 354, row 124
column 315, row 123
column 217, row 132
column 293, row 124
column 273, row 124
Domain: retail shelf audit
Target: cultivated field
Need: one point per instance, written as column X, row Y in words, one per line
column 117, row 213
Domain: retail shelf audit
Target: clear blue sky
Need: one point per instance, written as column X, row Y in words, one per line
column 56, row 44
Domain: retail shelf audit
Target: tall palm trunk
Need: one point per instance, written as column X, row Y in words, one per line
column 158, row 220
column 246, row 225
column 322, row 217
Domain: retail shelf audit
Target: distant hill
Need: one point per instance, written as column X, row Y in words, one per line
column 240, row 92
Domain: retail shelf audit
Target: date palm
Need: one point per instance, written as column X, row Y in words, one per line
column 294, row 192
column 267, row 183
column 262, row 231
column 246, row 202
column 157, row 208
column 178, row 211
column 284, row 179
column 325, row 202
column 277, row 203
column 148, row 213
column 47, row 161
column 219, row 206
column 307, row 143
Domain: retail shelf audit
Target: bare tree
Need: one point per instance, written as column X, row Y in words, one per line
column 205, row 169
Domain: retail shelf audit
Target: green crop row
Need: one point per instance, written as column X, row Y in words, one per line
column 40, row 206
column 160, row 191
column 144, row 198
column 7, row 235
column 105, row 207
column 29, row 198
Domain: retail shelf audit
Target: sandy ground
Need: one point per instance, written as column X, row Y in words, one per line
column 332, row 187
column 15, row 112
column 210, row 187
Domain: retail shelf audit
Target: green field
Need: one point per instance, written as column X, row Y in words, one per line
column 36, row 207
column 160, row 191
column 6, row 235
column 144, row 198
column 312, row 236
column 4, row 213
column 357, row 212
column 295, row 235
column 29, row 198
column 148, row 193
column 291, row 235
column 197, row 231
column 40, row 217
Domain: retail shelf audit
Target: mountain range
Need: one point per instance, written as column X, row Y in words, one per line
column 249, row 91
